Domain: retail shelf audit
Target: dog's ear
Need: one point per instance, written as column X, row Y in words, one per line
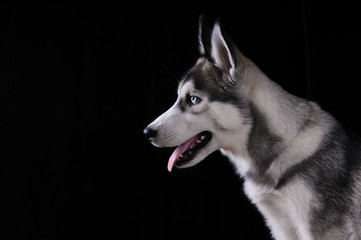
column 204, row 37
column 222, row 52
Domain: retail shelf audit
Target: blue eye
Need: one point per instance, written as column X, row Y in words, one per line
column 194, row 100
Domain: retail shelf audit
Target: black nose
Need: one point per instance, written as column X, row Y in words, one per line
column 149, row 133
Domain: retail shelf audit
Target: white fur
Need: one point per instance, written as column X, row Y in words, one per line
column 286, row 210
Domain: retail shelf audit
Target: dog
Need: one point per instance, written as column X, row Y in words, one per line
column 300, row 167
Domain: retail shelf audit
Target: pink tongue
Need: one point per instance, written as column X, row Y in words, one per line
column 180, row 150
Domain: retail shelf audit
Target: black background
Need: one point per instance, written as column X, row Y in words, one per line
column 80, row 81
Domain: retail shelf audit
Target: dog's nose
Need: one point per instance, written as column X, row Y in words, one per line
column 149, row 133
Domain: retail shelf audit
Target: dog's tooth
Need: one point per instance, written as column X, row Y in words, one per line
column 199, row 141
column 181, row 156
column 203, row 137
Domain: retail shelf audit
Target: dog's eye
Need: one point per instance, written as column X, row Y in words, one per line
column 193, row 99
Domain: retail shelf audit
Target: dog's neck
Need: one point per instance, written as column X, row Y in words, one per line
column 277, row 118
column 283, row 112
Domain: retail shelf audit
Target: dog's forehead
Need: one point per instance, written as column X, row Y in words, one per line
column 199, row 76
column 185, row 88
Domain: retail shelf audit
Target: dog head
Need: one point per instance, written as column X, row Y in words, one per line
column 211, row 111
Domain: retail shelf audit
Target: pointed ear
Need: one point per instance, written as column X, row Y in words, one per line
column 221, row 52
column 204, row 37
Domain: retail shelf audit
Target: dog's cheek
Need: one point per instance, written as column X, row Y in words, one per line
column 196, row 123
column 225, row 116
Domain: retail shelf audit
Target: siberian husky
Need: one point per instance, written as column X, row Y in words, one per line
column 301, row 168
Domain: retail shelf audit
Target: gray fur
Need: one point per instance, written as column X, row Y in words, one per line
column 263, row 147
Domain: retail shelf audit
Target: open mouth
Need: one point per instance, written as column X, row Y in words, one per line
column 185, row 152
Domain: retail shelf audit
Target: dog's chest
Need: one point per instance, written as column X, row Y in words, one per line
column 286, row 211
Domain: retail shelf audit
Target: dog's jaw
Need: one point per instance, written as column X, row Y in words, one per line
column 185, row 153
